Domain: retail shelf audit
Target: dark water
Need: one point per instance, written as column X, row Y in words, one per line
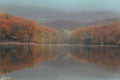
column 48, row 62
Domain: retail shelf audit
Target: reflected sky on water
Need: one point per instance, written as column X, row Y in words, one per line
column 35, row 62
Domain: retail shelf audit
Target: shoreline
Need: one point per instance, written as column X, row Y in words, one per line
column 15, row 43
column 19, row 43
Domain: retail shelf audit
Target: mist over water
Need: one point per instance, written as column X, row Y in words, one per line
column 64, row 61
column 60, row 62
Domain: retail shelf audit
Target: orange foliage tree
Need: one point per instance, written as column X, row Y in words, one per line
column 99, row 34
column 14, row 28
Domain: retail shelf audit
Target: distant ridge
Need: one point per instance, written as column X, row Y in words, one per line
column 62, row 24
column 72, row 25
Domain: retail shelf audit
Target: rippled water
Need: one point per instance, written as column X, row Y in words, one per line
column 53, row 62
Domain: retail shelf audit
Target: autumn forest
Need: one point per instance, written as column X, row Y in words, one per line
column 17, row 29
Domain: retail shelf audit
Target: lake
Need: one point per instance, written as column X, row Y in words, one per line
column 59, row 62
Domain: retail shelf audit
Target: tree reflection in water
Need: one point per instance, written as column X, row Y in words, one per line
column 103, row 55
column 16, row 57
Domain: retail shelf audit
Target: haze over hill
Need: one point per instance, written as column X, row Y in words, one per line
column 44, row 15
column 61, row 19
column 71, row 25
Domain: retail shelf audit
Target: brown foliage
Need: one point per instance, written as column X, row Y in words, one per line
column 99, row 34
column 14, row 28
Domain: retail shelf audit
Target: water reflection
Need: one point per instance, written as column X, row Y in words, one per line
column 50, row 62
column 103, row 55
column 15, row 57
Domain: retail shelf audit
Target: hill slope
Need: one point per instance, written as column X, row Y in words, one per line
column 13, row 28
column 71, row 25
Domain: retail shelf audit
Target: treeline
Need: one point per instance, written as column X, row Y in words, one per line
column 13, row 28
column 99, row 34
column 17, row 29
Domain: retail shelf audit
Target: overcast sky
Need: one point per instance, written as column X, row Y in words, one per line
column 67, row 5
column 60, row 9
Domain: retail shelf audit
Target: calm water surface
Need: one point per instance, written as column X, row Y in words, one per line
column 48, row 62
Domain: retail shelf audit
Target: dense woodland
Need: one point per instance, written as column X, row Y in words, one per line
column 99, row 34
column 17, row 29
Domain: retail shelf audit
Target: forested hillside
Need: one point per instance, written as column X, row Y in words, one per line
column 17, row 29
column 99, row 34
column 13, row 28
